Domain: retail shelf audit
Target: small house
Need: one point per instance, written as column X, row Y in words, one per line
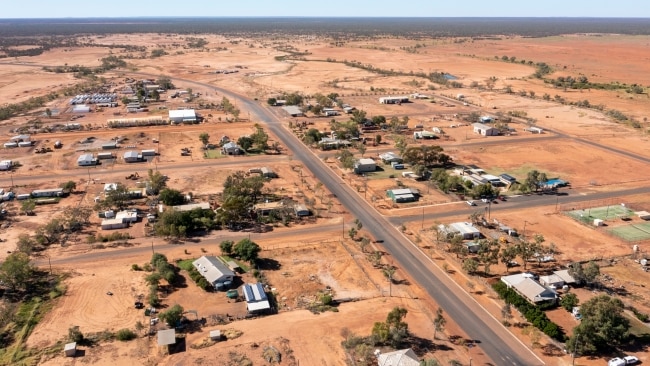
column 131, row 156
column 404, row 357
column 20, row 138
column 6, row 165
column 80, row 108
column 465, row 229
column 127, row 216
column 105, row 155
column 231, row 148
column 70, row 349
column 86, row 160
column 537, row 130
column 45, row 193
column 111, row 145
column 217, row 273
column 112, row 224
column 301, row 210
column 425, row 135
column 403, row 195
column 166, row 337
column 268, row 173
column 530, row 289
column 256, row 299
column 293, row 110
column 485, row 130
column 393, row 100
column 365, row 165
column 267, row 207
column 390, row 157
column 507, row 179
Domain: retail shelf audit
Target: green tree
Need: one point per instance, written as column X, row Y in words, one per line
column 526, row 250
column 172, row 316
column 69, row 186
column 346, row 157
column 247, row 250
column 125, row 335
column 508, row 254
column 361, row 148
column 157, row 181
column 312, row 136
column 155, row 95
column 171, row 197
column 358, row 116
column 401, row 145
column 16, row 271
column 271, row 101
column 260, row 138
column 438, row 323
column 569, row 301
column 226, row 246
column 117, row 197
column 602, row 327
column 584, row 274
column 48, row 112
column 28, row 206
column 377, row 139
column 245, row 142
column 153, row 278
column 204, row 137
column 165, row 82
column 470, row 265
column 75, row 335
column 26, row 244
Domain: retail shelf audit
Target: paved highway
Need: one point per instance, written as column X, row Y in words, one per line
column 496, row 341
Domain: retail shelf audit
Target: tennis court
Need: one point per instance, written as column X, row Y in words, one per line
column 636, row 232
column 604, row 213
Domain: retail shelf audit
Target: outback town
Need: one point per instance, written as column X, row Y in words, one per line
column 323, row 196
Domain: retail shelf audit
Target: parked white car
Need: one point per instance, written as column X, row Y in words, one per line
column 471, row 203
column 617, row 361
column 630, row 360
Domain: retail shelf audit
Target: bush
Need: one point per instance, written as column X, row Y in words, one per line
column 532, row 313
column 125, row 335
column 135, row 267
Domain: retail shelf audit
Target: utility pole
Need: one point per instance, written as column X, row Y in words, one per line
column 342, row 227
column 152, row 252
column 422, row 217
column 12, row 178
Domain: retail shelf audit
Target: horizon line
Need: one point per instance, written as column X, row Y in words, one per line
column 322, row 17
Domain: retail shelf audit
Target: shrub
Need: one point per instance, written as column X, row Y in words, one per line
column 532, row 313
column 125, row 335
column 136, row 267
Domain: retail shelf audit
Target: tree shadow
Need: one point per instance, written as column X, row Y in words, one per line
column 422, row 346
column 268, row 264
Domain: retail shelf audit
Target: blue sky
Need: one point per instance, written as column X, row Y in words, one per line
column 336, row 8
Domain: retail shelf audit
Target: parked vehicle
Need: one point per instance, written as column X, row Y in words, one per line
column 630, row 360
column 616, row 362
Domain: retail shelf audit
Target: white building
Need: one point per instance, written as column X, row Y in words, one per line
column 485, row 130
column 256, row 299
column 403, row 357
column 365, row 165
column 86, row 160
column 182, row 115
column 6, row 164
column 214, row 271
